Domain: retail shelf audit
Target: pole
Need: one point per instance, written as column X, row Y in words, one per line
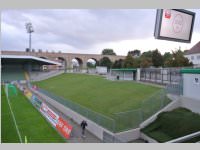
column 30, row 41
column 65, row 70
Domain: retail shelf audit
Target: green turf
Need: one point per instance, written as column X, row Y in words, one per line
column 106, row 98
column 174, row 124
column 98, row 94
column 8, row 130
column 30, row 122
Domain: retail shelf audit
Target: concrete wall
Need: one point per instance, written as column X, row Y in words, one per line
column 92, row 126
column 192, row 104
column 138, row 74
column 147, row 138
column 190, row 88
column 129, row 135
column 66, row 56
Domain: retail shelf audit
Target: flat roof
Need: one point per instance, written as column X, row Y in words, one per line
column 23, row 58
column 191, row 71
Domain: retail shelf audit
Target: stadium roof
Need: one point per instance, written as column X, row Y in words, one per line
column 194, row 50
column 24, row 59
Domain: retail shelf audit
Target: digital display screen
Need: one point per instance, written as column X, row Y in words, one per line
column 174, row 25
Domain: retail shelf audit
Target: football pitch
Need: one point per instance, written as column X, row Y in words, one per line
column 99, row 94
column 27, row 122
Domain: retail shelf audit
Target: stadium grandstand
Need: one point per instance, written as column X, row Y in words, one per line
column 21, row 68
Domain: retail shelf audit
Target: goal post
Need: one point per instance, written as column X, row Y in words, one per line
column 10, row 90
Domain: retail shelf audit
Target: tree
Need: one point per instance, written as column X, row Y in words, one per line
column 178, row 59
column 97, row 63
column 128, row 62
column 118, row 63
column 135, row 53
column 105, row 61
column 90, row 65
column 145, row 62
column 146, row 59
column 147, row 54
column 157, row 58
column 108, row 52
column 136, row 62
column 167, row 57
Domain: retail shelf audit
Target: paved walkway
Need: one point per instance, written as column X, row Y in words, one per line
column 76, row 131
column 75, row 136
column 138, row 141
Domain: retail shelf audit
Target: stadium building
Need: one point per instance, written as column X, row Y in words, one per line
column 16, row 67
column 194, row 55
column 125, row 125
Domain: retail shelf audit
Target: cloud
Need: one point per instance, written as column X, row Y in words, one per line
column 81, row 31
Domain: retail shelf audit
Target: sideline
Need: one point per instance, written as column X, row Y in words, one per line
column 13, row 116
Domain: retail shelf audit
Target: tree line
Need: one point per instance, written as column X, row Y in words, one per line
column 151, row 58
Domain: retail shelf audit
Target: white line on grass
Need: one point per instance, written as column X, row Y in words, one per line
column 13, row 116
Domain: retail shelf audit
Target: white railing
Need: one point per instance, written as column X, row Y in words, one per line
column 185, row 138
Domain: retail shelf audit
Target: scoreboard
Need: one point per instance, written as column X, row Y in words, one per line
column 174, row 25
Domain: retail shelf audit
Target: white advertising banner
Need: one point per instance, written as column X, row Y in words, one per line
column 49, row 114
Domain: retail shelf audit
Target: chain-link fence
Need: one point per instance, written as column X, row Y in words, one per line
column 100, row 119
column 122, row 74
column 121, row 121
column 176, row 89
column 161, row 75
column 132, row 119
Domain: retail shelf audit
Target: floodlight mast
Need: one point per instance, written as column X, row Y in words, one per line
column 29, row 29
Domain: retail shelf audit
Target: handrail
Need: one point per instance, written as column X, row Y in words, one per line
column 184, row 138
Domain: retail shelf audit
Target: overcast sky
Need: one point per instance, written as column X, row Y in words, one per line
column 87, row 31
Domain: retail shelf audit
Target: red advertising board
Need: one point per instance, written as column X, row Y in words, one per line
column 64, row 128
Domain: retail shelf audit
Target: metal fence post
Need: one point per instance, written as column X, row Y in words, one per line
column 114, row 126
column 141, row 115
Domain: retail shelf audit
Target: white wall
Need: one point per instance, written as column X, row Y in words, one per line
column 192, row 104
column 190, row 88
column 138, row 74
column 147, row 138
column 101, row 70
column 195, row 60
column 129, row 135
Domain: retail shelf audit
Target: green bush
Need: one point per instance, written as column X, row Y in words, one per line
column 174, row 124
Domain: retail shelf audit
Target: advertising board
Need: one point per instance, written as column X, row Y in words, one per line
column 49, row 114
column 64, row 128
